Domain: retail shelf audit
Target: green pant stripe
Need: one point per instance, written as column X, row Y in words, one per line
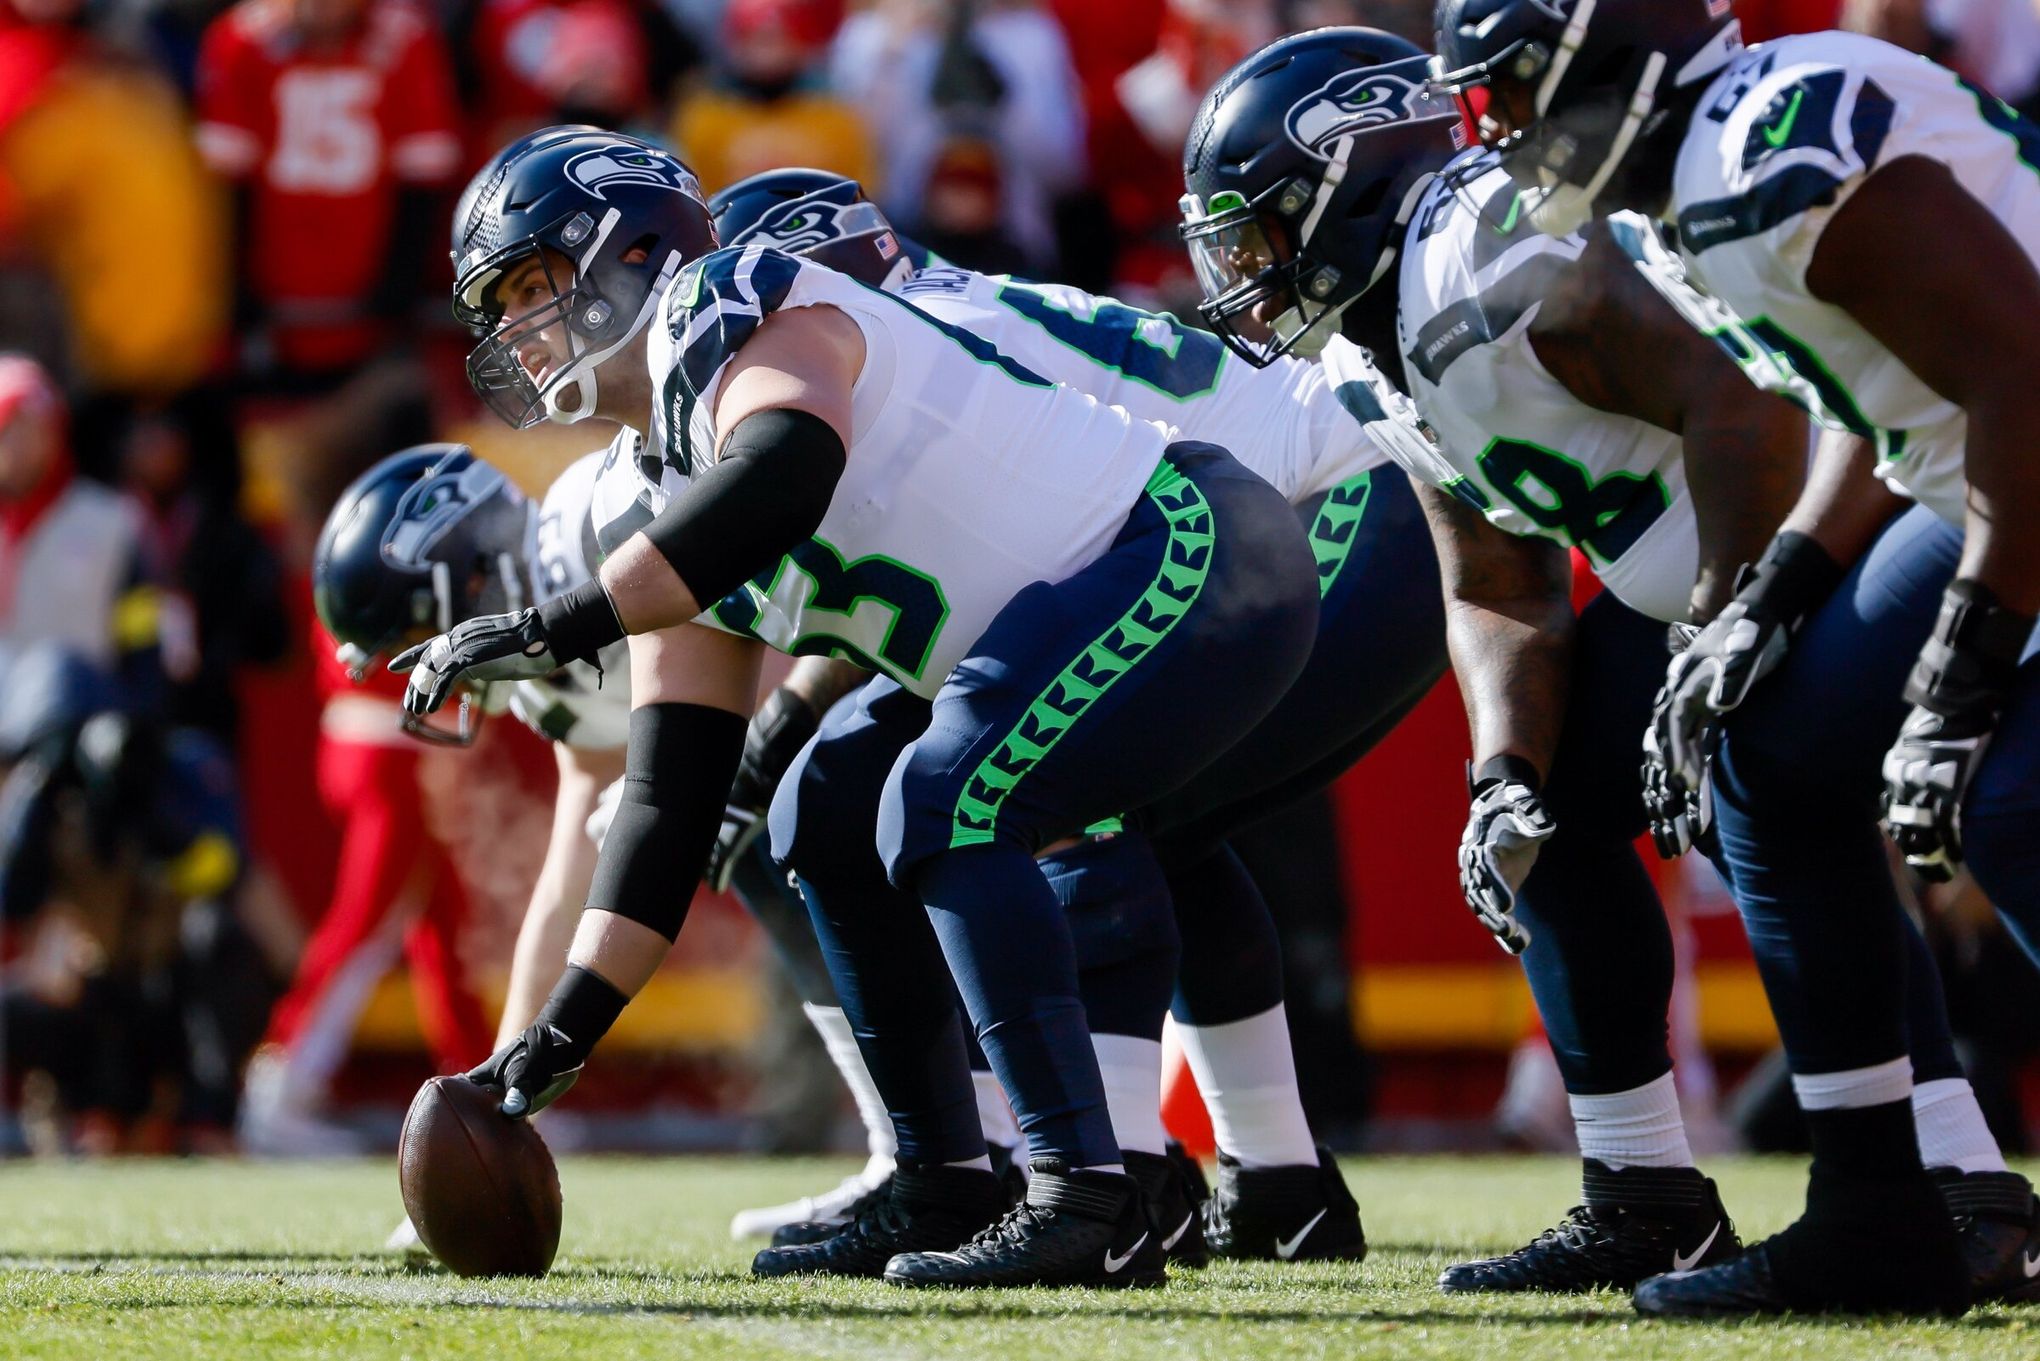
column 1186, row 564
column 1337, row 528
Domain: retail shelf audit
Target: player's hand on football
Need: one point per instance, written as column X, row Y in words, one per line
column 1504, row 830
column 781, row 727
column 490, row 647
column 533, row 1070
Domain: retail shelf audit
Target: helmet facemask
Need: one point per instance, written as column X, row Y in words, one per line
column 595, row 326
column 1239, row 268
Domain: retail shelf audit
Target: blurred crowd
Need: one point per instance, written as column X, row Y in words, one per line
column 223, row 293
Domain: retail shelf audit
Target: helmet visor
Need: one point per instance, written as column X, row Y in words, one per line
column 1251, row 298
column 519, row 360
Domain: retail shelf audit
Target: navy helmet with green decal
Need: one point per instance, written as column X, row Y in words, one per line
column 1302, row 166
column 817, row 214
column 427, row 538
column 1585, row 100
column 611, row 218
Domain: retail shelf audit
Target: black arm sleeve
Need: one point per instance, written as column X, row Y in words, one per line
column 676, row 779
column 765, row 496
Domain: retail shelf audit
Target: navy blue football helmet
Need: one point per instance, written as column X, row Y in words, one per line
column 610, row 218
column 822, row 216
column 1567, row 91
column 1301, row 169
column 426, row 539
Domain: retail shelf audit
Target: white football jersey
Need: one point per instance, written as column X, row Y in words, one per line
column 1283, row 422
column 969, row 477
column 1781, row 140
column 578, row 704
column 1510, row 439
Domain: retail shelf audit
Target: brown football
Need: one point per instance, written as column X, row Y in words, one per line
column 480, row 1187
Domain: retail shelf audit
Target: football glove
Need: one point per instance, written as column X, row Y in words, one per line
column 1680, row 819
column 1504, row 829
column 1958, row 690
column 489, row 647
column 1714, row 675
column 538, row 1067
column 781, row 727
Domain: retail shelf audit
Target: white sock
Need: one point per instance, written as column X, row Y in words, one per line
column 1879, row 1085
column 1132, row 1069
column 1951, row 1127
column 1637, row 1128
column 994, row 1115
column 1248, row 1078
column 834, row 1028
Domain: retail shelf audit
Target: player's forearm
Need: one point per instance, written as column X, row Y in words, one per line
column 1514, row 664
column 551, row 916
column 2000, row 548
column 1844, row 506
column 1745, row 461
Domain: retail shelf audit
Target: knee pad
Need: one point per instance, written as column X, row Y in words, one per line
column 1117, row 903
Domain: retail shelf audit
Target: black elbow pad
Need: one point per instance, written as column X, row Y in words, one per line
column 765, row 496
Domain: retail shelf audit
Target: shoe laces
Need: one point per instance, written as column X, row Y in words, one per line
column 1579, row 1230
column 1013, row 1228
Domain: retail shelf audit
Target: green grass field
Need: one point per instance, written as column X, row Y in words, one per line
column 178, row 1260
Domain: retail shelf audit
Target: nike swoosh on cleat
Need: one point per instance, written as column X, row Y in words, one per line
column 1169, row 1243
column 2031, row 1265
column 1286, row 1248
column 1114, row 1264
column 1681, row 1262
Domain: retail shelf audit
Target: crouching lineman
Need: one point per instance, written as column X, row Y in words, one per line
column 435, row 535
column 1379, row 648
column 1796, row 173
column 1568, row 406
column 1051, row 589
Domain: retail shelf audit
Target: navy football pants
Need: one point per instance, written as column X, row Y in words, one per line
column 1083, row 699
column 1796, row 797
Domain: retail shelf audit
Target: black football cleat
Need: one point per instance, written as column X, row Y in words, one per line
column 1283, row 1214
column 929, row 1208
column 1998, row 1220
column 1865, row 1245
column 815, row 1230
column 1074, row 1228
column 1174, row 1205
column 1637, row 1222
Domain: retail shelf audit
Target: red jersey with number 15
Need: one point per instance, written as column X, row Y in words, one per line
column 324, row 135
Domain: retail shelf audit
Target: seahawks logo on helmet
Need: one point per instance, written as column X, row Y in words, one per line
column 433, row 505
column 595, row 170
column 798, row 225
column 1344, row 105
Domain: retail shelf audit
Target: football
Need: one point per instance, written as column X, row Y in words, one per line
column 481, row 1188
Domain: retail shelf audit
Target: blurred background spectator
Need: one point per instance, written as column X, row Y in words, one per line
column 760, row 106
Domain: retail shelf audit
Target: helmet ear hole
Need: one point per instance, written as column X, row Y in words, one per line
column 640, row 250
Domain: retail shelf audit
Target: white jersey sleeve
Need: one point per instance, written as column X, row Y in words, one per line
column 581, row 705
column 969, row 475
column 1511, row 440
column 1783, row 138
column 1282, row 422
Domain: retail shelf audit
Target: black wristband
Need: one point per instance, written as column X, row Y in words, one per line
column 1507, row 769
column 1972, row 658
column 583, row 1004
column 580, row 623
column 1792, row 578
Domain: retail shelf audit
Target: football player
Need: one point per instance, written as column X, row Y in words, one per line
column 1380, row 647
column 1568, row 405
column 434, row 534
column 1050, row 590
column 1795, row 175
